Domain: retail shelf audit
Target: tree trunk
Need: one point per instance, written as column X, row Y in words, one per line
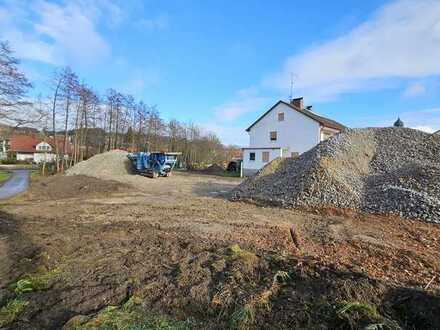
column 65, row 132
column 54, row 124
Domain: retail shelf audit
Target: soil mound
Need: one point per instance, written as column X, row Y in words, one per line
column 60, row 187
column 213, row 169
column 377, row 170
column 103, row 166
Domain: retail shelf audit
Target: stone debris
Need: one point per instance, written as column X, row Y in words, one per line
column 376, row 170
column 103, row 166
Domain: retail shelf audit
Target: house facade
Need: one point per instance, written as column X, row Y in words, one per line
column 31, row 148
column 287, row 129
column 4, row 148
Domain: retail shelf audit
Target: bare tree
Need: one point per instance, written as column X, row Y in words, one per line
column 69, row 91
column 13, row 88
column 56, row 84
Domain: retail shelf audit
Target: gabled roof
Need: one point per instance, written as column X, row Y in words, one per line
column 28, row 143
column 24, row 143
column 321, row 120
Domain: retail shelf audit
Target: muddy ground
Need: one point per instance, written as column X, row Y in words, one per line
column 174, row 253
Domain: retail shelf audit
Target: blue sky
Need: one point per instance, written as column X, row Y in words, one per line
column 221, row 64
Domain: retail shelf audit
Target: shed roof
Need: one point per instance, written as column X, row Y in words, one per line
column 322, row 120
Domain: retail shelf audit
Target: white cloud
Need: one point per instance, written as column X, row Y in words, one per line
column 228, row 134
column 402, row 40
column 141, row 79
column 414, row 89
column 427, row 120
column 245, row 100
column 58, row 33
column 73, row 33
column 159, row 22
column 427, row 129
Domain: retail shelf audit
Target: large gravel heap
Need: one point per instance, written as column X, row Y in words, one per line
column 377, row 170
column 103, row 166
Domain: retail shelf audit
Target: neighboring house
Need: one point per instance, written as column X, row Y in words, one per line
column 32, row 148
column 4, row 148
column 285, row 130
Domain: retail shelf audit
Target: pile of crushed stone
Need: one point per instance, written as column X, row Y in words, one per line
column 103, row 166
column 376, row 170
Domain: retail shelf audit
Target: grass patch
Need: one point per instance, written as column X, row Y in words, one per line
column 36, row 282
column 4, row 176
column 11, row 311
column 130, row 316
column 244, row 262
column 366, row 310
column 236, row 252
column 243, row 318
column 356, row 315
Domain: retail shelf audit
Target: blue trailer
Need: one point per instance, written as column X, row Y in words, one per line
column 154, row 164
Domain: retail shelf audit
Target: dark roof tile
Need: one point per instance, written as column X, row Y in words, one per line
column 322, row 120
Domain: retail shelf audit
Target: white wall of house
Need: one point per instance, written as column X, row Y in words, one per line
column 296, row 132
column 40, row 157
column 25, row 156
column 251, row 166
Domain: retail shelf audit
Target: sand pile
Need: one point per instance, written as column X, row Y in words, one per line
column 377, row 170
column 103, row 166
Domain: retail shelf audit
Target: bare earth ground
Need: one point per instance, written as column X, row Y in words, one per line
column 83, row 253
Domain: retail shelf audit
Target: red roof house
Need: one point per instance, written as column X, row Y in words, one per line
column 30, row 147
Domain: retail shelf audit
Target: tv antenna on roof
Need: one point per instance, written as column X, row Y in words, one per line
column 292, row 76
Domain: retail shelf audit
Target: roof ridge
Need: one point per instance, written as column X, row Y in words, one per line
column 327, row 122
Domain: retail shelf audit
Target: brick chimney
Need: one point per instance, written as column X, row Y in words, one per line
column 298, row 102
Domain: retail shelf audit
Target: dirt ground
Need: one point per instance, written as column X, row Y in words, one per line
column 175, row 253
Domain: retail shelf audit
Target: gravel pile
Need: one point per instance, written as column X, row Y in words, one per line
column 103, row 166
column 377, row 170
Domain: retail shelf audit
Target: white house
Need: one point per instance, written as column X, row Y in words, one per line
column 285, row 130
column 32, row 148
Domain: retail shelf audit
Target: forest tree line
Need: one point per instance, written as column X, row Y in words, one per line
column 83, row 122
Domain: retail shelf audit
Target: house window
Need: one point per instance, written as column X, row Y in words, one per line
column 252, row 156
column 273, row 136
column 265, row 156
column 326, row 135
column 281, row 116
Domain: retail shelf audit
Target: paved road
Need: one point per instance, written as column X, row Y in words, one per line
column 17, row 183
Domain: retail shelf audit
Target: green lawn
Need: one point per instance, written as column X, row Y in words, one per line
column 4, row 176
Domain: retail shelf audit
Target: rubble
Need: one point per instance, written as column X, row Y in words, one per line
column 375, row 170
